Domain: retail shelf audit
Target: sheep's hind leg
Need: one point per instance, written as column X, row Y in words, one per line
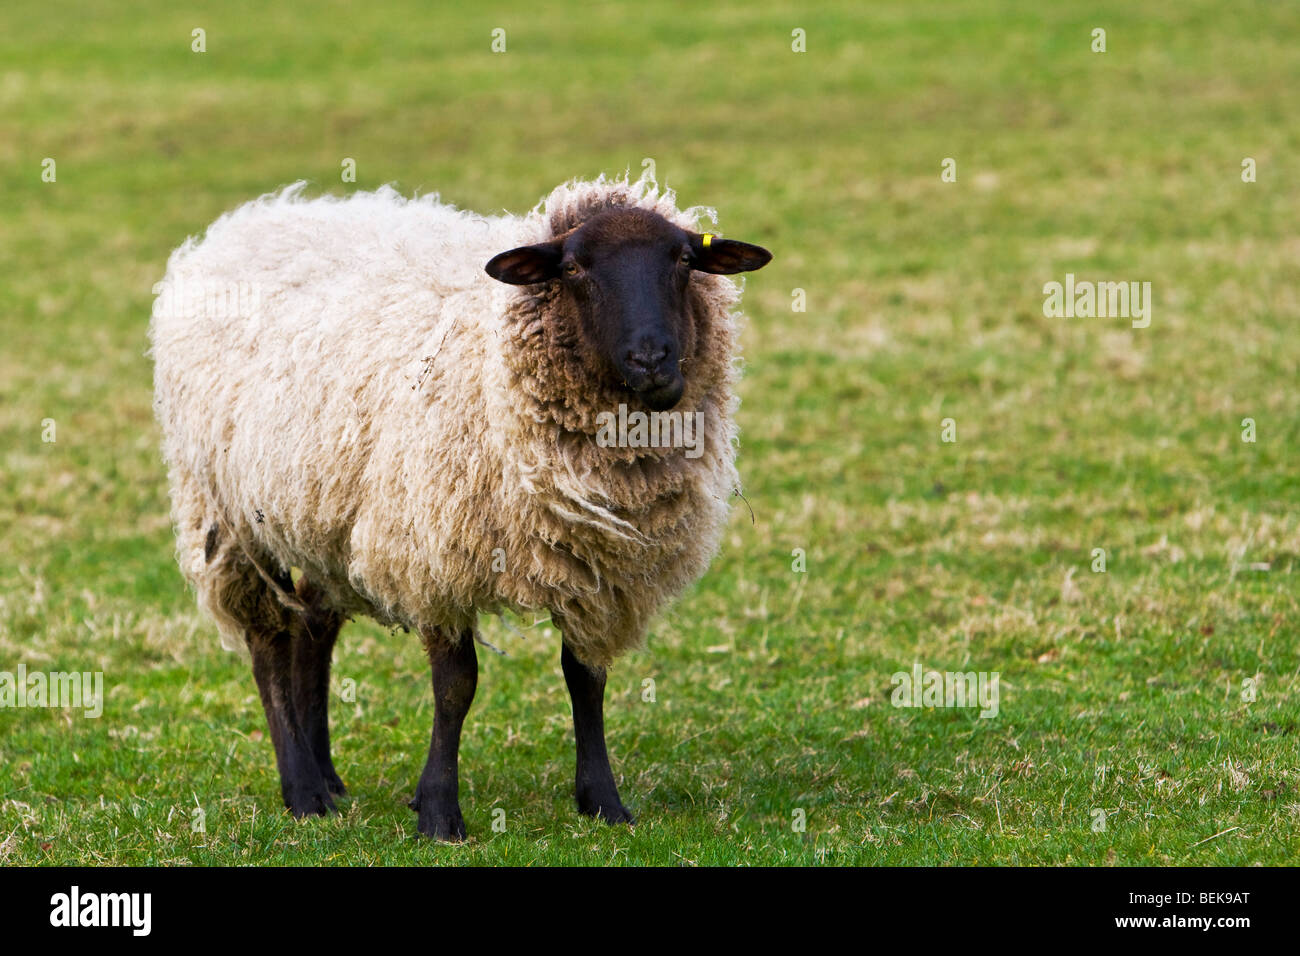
column 270, row 635
column 314, row 635
column 455, row 678
column 595, row 789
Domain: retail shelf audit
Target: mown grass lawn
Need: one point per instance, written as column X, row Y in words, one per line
column 1122, row 693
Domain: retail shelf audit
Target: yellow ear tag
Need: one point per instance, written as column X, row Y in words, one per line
column 707, row 238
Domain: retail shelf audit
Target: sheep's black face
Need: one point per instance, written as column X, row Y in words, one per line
column 627, row 271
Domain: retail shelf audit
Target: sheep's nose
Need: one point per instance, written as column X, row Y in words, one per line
column 647, row 361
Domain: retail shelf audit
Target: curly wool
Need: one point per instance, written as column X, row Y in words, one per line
column 416, row 437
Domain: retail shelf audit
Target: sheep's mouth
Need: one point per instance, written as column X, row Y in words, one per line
column 660, row 391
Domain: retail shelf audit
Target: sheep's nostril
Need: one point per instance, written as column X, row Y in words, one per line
column 647, row 361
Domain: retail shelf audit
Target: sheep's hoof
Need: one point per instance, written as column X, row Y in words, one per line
column 609, row 809
column 618, row 815
column 305, row 802
column 443, row 827
column 334, row 784
column 446, row 826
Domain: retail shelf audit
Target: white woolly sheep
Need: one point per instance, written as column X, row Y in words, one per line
column 343, row 389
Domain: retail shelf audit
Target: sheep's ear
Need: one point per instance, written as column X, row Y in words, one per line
column 726, row 257
column 527, row 264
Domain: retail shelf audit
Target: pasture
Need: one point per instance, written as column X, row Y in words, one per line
column 1147, row 713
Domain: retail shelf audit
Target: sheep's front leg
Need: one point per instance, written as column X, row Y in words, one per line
column 595, row 788
column 455, row 678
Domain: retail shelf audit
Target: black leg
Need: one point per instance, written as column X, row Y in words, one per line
column 301, row 784
column 455, row 678
column 595, row 789
column 313, row 645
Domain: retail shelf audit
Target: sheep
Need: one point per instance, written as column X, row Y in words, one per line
column 344, row 390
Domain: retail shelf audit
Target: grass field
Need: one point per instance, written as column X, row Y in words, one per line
column 1121, row 692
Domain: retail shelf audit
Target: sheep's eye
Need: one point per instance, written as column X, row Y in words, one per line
column 684, row 258
column 571, row 269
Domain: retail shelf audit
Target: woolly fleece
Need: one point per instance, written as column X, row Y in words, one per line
column 342, row 389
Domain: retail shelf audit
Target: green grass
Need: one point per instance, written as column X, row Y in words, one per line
column 1120, row 691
